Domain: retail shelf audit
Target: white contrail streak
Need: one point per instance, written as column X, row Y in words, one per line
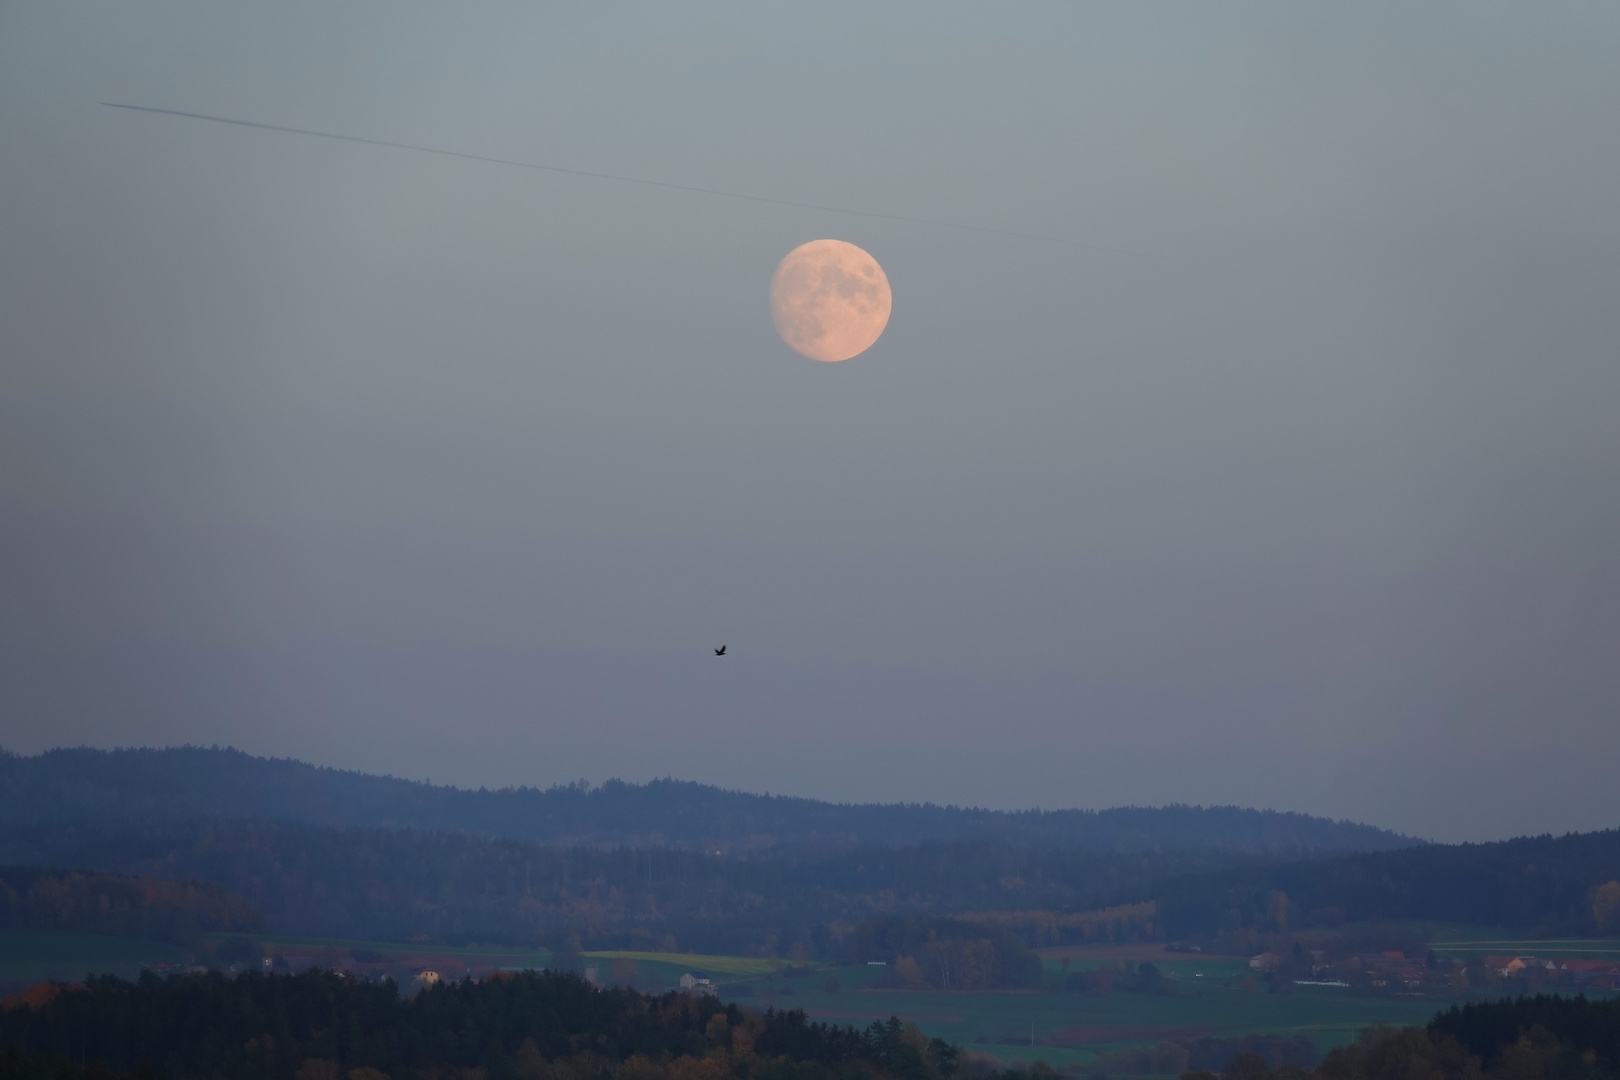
column 613, row 176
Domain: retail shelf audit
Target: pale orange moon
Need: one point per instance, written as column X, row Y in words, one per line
column 830, row 300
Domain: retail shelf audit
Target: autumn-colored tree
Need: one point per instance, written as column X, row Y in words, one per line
column 687, row 1067
column 530, row 1062
column 37, row 995
column 1278, row 904
column 319, row 1069
column 909, row 972
column 638, row 1067
column 1606, row 905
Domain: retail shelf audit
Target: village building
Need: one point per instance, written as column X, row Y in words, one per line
column 1586, row 974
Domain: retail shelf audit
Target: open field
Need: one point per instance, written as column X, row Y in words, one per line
column 1565, row 948
column 1173, row 964
column 401, row 959
column 1207, row 999
column 1069, row 1029
column 677, row 963
column 35, row 955
column 1092, row 955
column 392, row 949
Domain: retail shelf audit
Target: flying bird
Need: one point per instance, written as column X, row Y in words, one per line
column 721, row 651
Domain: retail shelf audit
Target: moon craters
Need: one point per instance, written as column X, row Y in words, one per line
column 830, row 300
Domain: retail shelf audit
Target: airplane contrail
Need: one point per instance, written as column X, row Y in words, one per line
column 621, row 179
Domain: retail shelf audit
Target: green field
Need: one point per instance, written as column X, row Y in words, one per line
column 1001, row 1023
column 675, row 964
column 35, row 955
column 1117, row 1020
column 405, row 952
column 1547, row 949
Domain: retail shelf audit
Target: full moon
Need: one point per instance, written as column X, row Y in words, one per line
column 830, row 300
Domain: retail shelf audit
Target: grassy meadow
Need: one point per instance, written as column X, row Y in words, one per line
column 1546, row 949
column 656, row 967
column 1067, row 1029
column 38, row 955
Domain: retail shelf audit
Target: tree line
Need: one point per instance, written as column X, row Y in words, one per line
column 524, row 1026
column 1554, row 885
column 123, row 906
column 393, row 884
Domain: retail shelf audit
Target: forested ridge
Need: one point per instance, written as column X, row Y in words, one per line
column 1544, row 882
column 1185, row 875
column 397, row 883
column 188, row 782
column 120, row 905
column 394, row 883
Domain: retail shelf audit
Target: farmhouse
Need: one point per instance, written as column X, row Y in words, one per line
column 1587, row 974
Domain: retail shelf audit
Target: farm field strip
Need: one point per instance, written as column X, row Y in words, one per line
column 1003, row 1020
column 726, row 965
column 32, row 955
column 392, row 947
column 1560, row 946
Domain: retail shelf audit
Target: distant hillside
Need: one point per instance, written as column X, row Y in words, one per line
column 190, row 782
column 120, row 905
column 397, row 883
column 328, row 853
column 1548, row 883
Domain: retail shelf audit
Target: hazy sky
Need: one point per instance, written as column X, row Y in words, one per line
column 1287, row 475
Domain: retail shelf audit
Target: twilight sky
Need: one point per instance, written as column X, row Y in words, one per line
column 1288, row 475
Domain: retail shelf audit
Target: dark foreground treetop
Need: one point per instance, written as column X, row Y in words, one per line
column 522, row 1026
column 556, row 1026
column 1489, row 1030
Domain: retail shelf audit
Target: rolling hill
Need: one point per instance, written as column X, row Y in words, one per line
column 1546, row 884
column 77, row 785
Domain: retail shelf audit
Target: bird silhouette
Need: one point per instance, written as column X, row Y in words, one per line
column 721, row 651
